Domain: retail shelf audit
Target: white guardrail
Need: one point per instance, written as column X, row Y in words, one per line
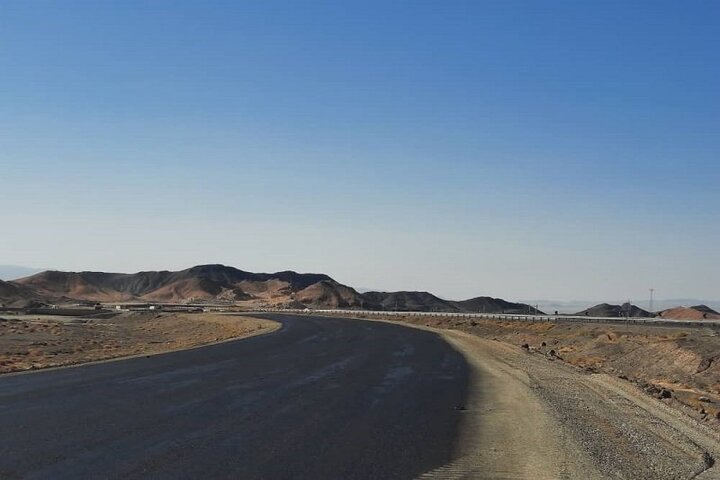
column 516, row 317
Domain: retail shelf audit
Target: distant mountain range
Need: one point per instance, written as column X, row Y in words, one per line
column 227, row 285
column 427, row 302
column 223, row 284
column 608, row 310
column 695, row 312
column 572, row 306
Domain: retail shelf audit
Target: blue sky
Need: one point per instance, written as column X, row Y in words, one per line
column 553, row 149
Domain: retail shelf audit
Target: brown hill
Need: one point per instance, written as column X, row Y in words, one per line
column 607, row 310
column 698, row 312
column 705, row 309
column 12, row 295
column 330, row 294
column 427, row 302
column 196, row 284
column 495, row 305
column 410, row 302
column 92, row 286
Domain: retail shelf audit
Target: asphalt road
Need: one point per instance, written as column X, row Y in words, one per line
column 322, row 398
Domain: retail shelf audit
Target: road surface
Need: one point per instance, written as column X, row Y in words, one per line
column 321, row 398
column 331, row 398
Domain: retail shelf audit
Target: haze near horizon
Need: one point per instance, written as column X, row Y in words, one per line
column 513, row 149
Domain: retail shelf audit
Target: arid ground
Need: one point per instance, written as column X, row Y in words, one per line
column 39, row 341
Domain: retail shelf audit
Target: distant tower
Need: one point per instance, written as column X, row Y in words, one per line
column 652, row 291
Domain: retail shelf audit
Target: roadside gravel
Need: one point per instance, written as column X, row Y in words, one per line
column 530, row 416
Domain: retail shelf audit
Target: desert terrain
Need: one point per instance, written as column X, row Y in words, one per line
column 679, row 366
column 557, row 397
column 450, row 398
column 30, row 342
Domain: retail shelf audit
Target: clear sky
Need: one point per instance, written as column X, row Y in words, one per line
column 554, row 149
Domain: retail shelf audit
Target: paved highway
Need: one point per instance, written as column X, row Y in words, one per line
column 320, row 398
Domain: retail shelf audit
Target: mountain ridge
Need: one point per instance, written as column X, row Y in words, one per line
column 224, row 284
column 221, row 284
column 201, row 282
column 618, row 311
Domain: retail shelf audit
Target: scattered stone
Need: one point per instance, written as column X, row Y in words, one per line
column 525, row 346
column 651, row 389
column 704, row 399
column 665, row 393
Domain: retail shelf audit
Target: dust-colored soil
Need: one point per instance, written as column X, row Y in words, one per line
column 535, row 417
column 32, row 342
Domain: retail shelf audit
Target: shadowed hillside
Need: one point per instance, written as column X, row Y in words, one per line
column 607, row 310
column 410, row 302
column 495, row 305
column 12, row 295
column 331, row 294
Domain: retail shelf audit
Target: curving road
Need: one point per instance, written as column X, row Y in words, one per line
column 320, row 398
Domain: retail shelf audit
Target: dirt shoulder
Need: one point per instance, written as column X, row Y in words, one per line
column 547, row 419
column 535, row 413
column 30, row 342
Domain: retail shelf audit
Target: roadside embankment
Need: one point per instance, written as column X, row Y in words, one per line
column 29, row 342
column 532, row 416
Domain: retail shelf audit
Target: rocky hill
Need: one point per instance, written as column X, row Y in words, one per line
column 12, row 295
column 698, row 312
column 331, row 294
column 197, row 284
column 427, row 302
column 608, row 310
column 495, row 305
column 410, row 302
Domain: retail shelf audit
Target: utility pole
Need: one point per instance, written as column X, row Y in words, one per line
column 627, row 312
column 652, row 291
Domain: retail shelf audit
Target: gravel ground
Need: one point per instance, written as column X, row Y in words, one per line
column 626, row 434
